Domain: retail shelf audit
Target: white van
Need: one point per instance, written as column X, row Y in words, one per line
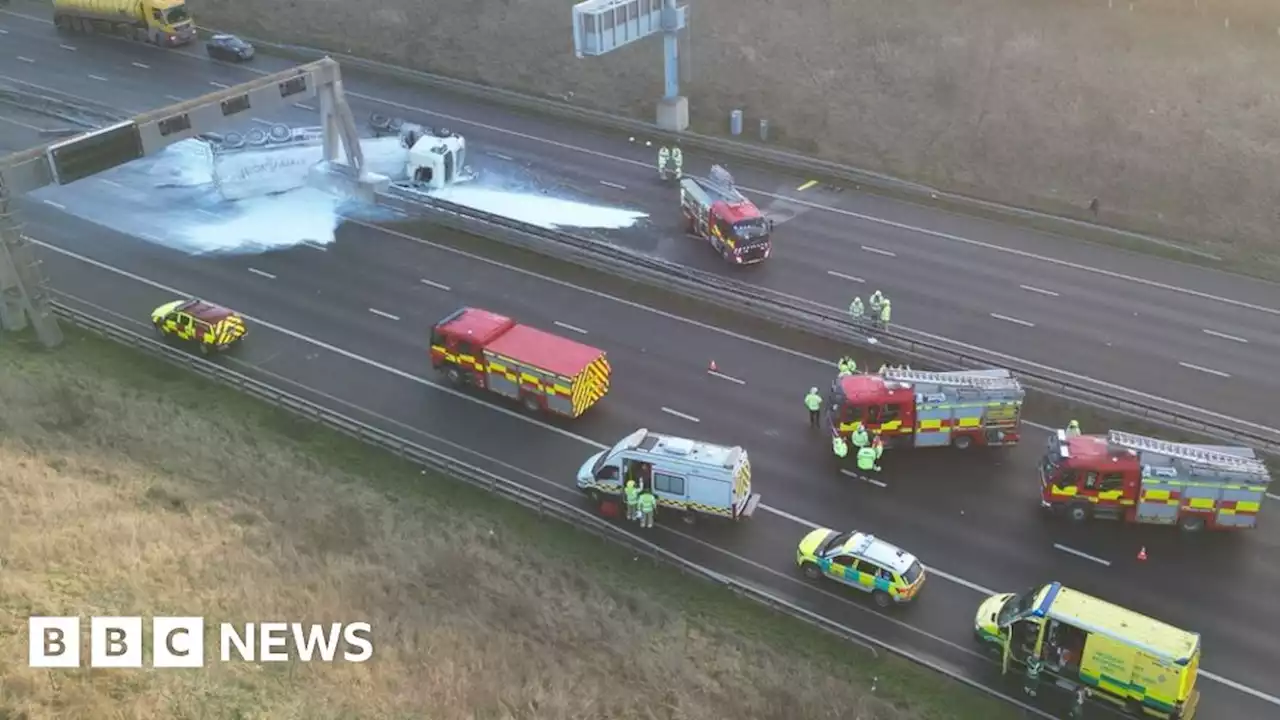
column 697, row 478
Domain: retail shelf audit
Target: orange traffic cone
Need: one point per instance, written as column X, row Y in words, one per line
column 712, row 366
column 1142, row 554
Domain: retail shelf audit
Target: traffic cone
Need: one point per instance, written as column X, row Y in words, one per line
column 712, row 367
column 1142, row 554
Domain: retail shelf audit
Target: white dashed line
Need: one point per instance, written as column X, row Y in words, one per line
column 1224, row 336
column 112, row 183
column 572, row 328
column 262, row 122
column 202, row 211
column 218, row 85
column 60, row 206
column 72, row 48
column 262, row 273
column 1080, row 554
column 842, row 276
column 1013, row 320
column 434, row 284
column 300, row 106
column 1273, row 497
column 878, row 251
column 175, row 98
column 144, row 66
column 99, row 78
column 25, row 59
column 386, row 315
column 314, row 245
column 4, row 32
column 1211, row 371
column 730, row 378
column 679, row 414
column 863, row 478
column 500, row 156
column 1042, row 291
column 151, row 238
column 606, row 183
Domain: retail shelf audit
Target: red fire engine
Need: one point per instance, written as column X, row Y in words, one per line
column 715, row 211
column 1122, row 476
column 916, row 408
column 544, row 372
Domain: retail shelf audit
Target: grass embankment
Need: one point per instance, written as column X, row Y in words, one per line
column 133, row 488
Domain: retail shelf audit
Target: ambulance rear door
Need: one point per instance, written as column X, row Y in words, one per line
column 744, row 502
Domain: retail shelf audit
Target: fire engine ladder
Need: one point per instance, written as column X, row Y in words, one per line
column 1190, row 453
column 962, row 379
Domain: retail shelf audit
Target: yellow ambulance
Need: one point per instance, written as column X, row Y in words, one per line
column 1144, row 667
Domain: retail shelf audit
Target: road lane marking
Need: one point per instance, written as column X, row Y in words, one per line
column 606, row 183
column 842, row 276
column 1224, row 336
column 730, row 378
column 386, row 315
column 977, row 588
column 863, row 478
column 64, row 46
column 806, row 186
column 878, row 251
column 1273, row 497
column 22, row 124
column 25, row 60
column 1081, row 554
column 218, row 84
column 571, row 328
column 262, row 273
column 302, row 106
column 314, row 245
column 144, row 66
column 500, row 156
column 260, row 121
column 1013, row 320
column 1042, row 291
column 434, row 284
column 679, row 414
column 99, row 78
column 112, row 183
column 1202, row 369
column 202, row 211
column 174, row 98
column 60, row 206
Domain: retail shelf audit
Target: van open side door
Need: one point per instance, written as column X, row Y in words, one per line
column 1008, row 644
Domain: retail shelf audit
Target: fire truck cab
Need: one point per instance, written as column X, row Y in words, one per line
column 715, row 211
column 1123, row 476
column 917, row 408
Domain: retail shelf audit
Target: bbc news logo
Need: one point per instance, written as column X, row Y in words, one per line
column 178, row 642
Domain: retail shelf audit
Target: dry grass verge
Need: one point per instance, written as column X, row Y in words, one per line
column 1165, row 110
column 130, row 487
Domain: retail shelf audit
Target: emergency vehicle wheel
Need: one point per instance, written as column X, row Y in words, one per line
column 1191, row 524
column 159, row 330
column 811, row 571
column 882, row 599
column 453, row 375
column 530, row 403
column 1078, row 512
column 689, row 517
column 206, row 349
column 962, row 442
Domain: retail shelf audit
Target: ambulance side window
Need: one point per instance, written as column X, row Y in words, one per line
column 866, row 567
column 845, row 561
column 1111, row 481
column 608, row 472
column 673, row 484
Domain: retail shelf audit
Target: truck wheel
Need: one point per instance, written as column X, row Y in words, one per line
column 962, row 442
column 689, row 518
column 281, row 133
column 1078, row 512
column 1191, row 524
column 811, row 571
column 453, row 375
column 530, row 403
column 882, row 599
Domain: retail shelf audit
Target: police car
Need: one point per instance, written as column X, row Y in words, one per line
column 893, row 576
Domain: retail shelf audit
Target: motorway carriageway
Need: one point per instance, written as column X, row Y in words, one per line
column 346, row 325
column 1193, row 335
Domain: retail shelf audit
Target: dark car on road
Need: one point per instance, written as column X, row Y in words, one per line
column 229, row 48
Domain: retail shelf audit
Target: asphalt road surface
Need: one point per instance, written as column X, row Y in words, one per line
column 1197, row 336
column 347, row 326
column 972, row 519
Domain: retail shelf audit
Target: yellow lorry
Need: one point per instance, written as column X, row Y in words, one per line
column 1143, row 667
column 160, row 22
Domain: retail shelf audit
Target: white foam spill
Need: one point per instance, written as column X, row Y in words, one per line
column 540, row 210
column 248, row 202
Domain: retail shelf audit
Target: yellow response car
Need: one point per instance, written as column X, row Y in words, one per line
column 210, row 327
column 862, row 561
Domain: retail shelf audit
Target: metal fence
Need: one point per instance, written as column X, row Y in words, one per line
column 540, row 503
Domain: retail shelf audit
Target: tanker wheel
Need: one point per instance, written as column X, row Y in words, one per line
column 1191, row 524
column 1078, row 512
